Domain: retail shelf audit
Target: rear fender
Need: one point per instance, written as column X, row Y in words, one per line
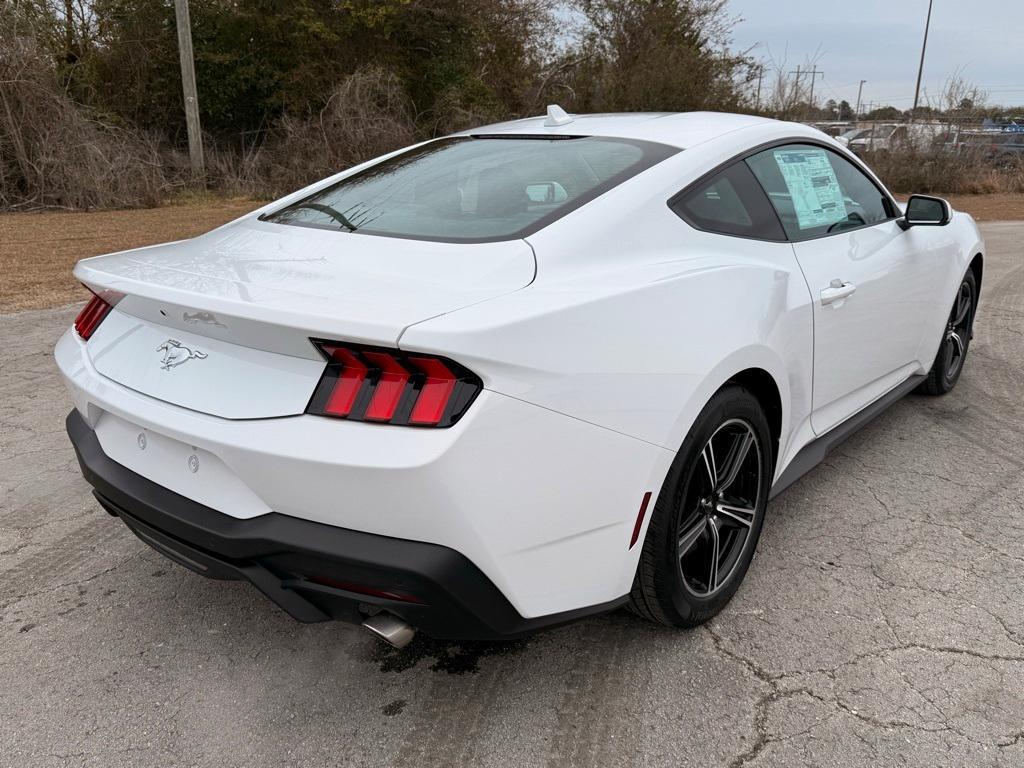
column 640, row 351
column 752, row 357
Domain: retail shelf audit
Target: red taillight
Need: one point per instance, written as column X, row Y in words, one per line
column 92, row 315
column 437, row 391
column 350, row 379
column 390, row 387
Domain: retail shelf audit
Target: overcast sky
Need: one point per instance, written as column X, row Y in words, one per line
column 880, row 41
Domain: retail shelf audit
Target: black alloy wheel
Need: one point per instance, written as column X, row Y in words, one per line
column 708, row 517
column 719, row 508
column 956, row 338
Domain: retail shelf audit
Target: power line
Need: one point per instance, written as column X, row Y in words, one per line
column 813, row 72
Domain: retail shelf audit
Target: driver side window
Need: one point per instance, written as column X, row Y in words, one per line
column 817, row 191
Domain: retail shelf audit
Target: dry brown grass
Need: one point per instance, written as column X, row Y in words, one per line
column 929, row 171
column 1003, row 206
column 38, row 250
column 997, row 207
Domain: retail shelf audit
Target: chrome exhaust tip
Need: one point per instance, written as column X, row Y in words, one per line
column 391, row 629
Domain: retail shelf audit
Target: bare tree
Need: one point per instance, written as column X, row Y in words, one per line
column 962, row 97
column 789, row 95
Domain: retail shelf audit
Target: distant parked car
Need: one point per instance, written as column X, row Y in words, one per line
column 1006, row 150
column 881, row 138
column 885, row 138
column 832, row 129
column 853, row 133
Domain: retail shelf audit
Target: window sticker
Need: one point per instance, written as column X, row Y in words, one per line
column 813, row 186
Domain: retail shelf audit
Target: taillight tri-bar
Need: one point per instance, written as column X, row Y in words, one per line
column 388, row 386
column 94, row 312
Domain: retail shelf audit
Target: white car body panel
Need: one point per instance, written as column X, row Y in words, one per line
column 309, row 281
column 265, row 384
column 467, row 481
column 894, row 289
column 598, row 339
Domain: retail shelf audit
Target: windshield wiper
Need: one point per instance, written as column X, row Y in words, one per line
column 335, row 214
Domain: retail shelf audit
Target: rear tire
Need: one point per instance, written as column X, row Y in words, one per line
column 708, row 517
column 956, row 338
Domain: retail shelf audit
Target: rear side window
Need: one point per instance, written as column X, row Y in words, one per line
column 817, row 192
column 474, row 189
column 730, row 203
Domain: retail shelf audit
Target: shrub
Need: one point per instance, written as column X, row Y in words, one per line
column 367, row 115
column 922, row 170
column 55, row 154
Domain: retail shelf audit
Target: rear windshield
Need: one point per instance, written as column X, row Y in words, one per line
column 474, row 189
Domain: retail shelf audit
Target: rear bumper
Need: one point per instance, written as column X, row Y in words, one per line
column 542, row 504
column 280, row 554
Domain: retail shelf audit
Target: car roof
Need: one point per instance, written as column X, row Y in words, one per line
column 678, row 129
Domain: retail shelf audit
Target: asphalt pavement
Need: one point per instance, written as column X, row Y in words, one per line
column 881, row 624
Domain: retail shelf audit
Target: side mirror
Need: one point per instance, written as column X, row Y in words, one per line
column 925, row 211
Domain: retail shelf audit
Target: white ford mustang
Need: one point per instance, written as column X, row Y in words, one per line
column 515, row 376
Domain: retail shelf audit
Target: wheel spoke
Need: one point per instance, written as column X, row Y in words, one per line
column 742, row 515
column 708, row 454
column 690, row 537
column 719, row 508
column 734, row 459
column 958, row 343
column 963, row 304
column 947, row 355
column 713, row 576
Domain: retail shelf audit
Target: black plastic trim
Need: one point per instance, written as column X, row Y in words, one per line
column 812, row 454
column 677, row 204
column 276, row 552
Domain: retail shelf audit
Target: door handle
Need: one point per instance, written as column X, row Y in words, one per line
column 837, row 291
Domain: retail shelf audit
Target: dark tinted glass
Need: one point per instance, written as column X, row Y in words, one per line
column 730, row 203
column 816, row 191
column 925, row 210
column 474, row 189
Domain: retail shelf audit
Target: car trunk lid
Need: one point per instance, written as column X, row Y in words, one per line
column 222, row 324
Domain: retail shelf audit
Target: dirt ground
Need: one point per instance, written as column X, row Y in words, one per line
column 38, row 250
column 997, row 207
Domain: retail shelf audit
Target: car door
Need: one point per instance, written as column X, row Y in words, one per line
column 870, row 288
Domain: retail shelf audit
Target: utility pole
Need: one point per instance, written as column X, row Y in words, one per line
column 814, row 73
column 920, row 68
column 760, row 77
column 796, row 96
column 188, row 87
column 860, row 90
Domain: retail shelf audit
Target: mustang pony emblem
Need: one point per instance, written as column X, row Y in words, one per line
column 176, row 353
